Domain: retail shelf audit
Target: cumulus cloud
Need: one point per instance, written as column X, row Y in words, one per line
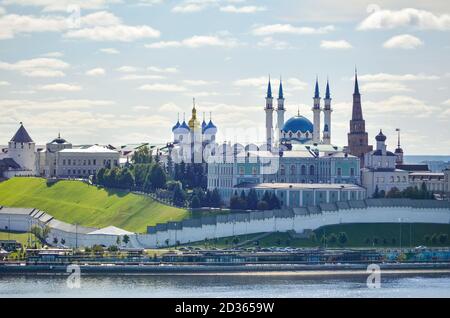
column 96, row 72
column 60, row 87
column 196, row 42
column 376, row 87
column 62, row 5
column 242, row 9
column 261, row 82
column 335, row 45
column 163, row 88
column 269, row 41
column 53, row 54
column 4, row 83
column 162, row 69
column 404, row 41
column 132, row 77
column 110, row 50
column 121, row 32
column 190, row 6
column 38, row 67
column 383, row 77
column 409, row 17
column 54, row 104
column 198, row 82
column 271, row 29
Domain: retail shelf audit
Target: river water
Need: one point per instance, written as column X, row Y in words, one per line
column 227, row 286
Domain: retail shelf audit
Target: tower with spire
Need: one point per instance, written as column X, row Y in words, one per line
column 398, row 151
column 327, row 116
column 358, row 142
column 269, row 117
column 280, row 110
column 21, row 149
column 316, row 113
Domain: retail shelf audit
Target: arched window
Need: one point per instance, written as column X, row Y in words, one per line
column 282, row 170
column 392, row 179
column 311, row 170
column 398, row 178
column 293, row 170
column 303, row 170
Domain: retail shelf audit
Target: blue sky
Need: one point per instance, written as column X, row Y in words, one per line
column 121, row 71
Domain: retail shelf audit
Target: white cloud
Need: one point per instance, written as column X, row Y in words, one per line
column 409, row 17
column 123, row 33
column 196, row 42
column 191, row 6
column 170, row 108
column 382, row 77
column 375, row 87
column 198, row 82
column 447, row 102
column 4, row 83
column 39, row 67
column 242, row 9
column 404, row 41
column 162, row 70
column 261, row 82
column 335, row 45
column 266, row 30
column 127, row 69
column 62, row 5
column 96, row 72
column 60, row 87
column 132, row 77
column 53, row 54
column 401, row 105
column 163, row 88
column 274, row 44
column 55, row 104
column 2, row 11
column 12, row 24
column 109, row 50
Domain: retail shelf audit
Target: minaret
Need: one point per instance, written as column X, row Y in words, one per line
column 358, row 143
column 327, row 116
column 399, row 150
column 280, row 110
column 269, row 117
column 316, row 111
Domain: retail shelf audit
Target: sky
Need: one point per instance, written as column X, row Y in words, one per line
column 119, row 72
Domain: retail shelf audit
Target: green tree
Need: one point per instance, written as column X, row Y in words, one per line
column 262, row 205
column 313, row 237
column 178, row 195
column 216, row 201
column 252, row 200
column 142, row 155
column 195, row 202
column 332, row 238
column 342, row 238
column 55, row 240
column 443, row 238
column 101, row 176
column 394, row 192
column 158, row 177
column 274, row 203
column 63, row 241
column 125, row 179
column 126, row 239
column 118, row 241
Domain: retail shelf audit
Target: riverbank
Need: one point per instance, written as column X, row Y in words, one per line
column 241, row 269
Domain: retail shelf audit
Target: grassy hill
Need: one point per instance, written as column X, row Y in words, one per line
column 77, row 202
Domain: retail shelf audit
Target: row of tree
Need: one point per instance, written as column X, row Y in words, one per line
column 269, row 201
column 410, row 193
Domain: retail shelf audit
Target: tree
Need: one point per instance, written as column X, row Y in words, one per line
column 262, row 205
column 332, row 238
column 195, row 202
column 158, row 177
column 55, row 240
column 63, row 241
column 394, row 192
column 140, row 172
column 216, row 201
column 142, row 155
column 118, row 241
column 443, row 238
column 274, row 203
column 252, row 200
column 324, row 239
column 426, row 238
column 376, row 193
column 434, row 238
column 342, row 238
column 101, row 176
column 313, row 237
column 167, row 241
column 126, row 239
column 178, row 195
column 125, row 179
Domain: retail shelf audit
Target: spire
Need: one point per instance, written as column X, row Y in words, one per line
column 327, row 93
column 398, row 130
column 356, row 92
column 21, row 135
column 316, row 91
column 280, row 90
column 269, row 90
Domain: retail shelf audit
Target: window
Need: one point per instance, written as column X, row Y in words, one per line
column 352, row 172
column 95, row 162
column 339, row 172
column 282, row 170
column 392, row 178
column 64, row 162
column 293, row 170
column 311, row 170
column 241, row 170
column 303, row 170
column 398, row 178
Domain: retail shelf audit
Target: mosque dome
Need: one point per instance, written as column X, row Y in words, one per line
column 298, row 124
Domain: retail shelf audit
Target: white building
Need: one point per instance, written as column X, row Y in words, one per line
column 380, row 171
column 20, row 159
column 47, row 157
column 83, row 162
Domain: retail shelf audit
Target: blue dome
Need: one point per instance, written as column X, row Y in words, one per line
column 211, row 127
column 176, row 126
column 185, row 126
column 203, row 125
column 298, row 123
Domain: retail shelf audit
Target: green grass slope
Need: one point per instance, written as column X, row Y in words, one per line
column 77, row 202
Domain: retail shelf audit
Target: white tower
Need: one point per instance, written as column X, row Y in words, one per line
column 327, row 116
column 21, row 149
column 280, row 111
column 269, row 117
column 316, row 111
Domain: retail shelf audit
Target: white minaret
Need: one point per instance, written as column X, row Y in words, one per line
column 269, row 117
column 21, row 149
column 316, row 111
column 327, row 116
column 280, row 111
